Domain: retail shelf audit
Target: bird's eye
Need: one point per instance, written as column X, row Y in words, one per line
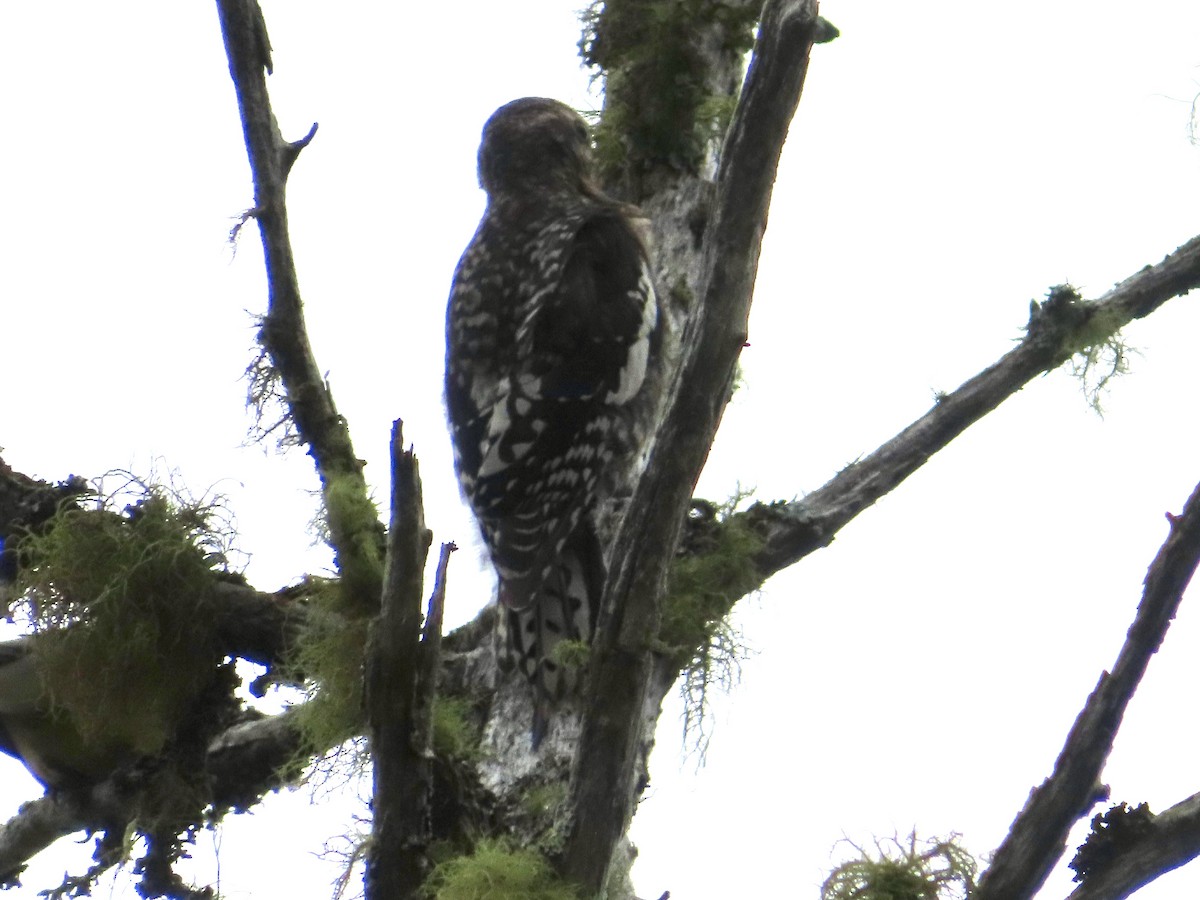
column 581, row 132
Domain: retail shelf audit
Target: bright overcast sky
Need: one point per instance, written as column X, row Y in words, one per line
column 948, row 164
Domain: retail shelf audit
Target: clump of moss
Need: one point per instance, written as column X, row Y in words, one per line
column 328, row 659
column 139, row 580
column 715, row 569
column 455, row 733
column 660, row 109
column 904, row 870
column 1087, row 334
column 357, row 536
column 571, row 654
column 708, row 578
column 545, row 798
column 497, row 871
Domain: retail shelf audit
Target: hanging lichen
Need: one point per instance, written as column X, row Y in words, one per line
column 708, row 579
column 715, row 570
column 908, row 869
column 327, row 659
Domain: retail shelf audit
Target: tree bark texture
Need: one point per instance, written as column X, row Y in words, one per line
column 611, row 743
column 399, row 702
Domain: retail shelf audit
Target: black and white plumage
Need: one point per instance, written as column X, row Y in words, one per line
column 552, row 327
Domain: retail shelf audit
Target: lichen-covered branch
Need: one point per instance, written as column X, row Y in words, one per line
column 1058, row 328
column 354, row 529
column 1038, row 836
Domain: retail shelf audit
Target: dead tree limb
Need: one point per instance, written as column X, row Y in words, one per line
column 354, row 530
column 1038, row 836
column 399, row 701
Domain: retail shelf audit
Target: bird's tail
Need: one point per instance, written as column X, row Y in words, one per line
column 546, row 632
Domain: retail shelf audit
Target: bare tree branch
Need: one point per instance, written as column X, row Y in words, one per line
column 1057, row 329
column 399, row 701
column 355, row 532
column 1039, row 834
column 36, row 826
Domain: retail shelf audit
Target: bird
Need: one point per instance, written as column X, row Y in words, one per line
column 42, row 737
column 553, row 333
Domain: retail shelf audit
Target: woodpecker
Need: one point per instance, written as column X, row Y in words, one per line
column 552, row 328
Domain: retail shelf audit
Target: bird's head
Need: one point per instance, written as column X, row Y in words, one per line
column 535, row 144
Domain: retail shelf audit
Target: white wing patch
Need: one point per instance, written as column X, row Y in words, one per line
column 633, row 373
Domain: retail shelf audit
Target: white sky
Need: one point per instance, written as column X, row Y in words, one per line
column 945, row 168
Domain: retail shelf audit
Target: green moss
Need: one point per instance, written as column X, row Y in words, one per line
column 713, row 117
column 328, row 658
column 659, row 109
column 497, row 871
column 138, row 580
column 544, row 799
column 1086, row 334
column 455, row 733
column 357, row 536
column 705, row 585
column 571, row 654
column 904, row 870
column 716, row 570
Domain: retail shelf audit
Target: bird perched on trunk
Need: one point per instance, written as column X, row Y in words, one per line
column 552, row 329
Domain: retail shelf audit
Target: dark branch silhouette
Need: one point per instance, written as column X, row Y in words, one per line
column 1038, row 837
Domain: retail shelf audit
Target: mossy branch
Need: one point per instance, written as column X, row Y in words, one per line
column 1059, row 328
column 355, row 531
